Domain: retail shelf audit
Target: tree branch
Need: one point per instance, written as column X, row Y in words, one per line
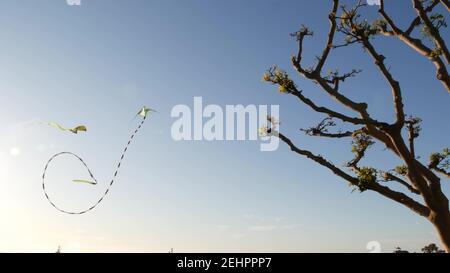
column 395, row 85
column 325, row 110
column 286, row 85
column 440, row 162
column 314, row 74
column 434, row 32
column 361, row 142
column 321, row 130
column 383, row 190
column 319, row 159
column 416, row 44
column 401, row 198
column 329, row 45
column 442, row 171
column 417, row 21
column 414, row 128
column 390, row 177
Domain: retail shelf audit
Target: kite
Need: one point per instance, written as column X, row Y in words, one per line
column 80, row 128
column 143, row 112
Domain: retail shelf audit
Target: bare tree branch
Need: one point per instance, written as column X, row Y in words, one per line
column 413, row 126
column 329, row 45
column 395, row 85
column 417, row 21
column 383, row 190
column 327, row 111
column 317, row 158
column 434, row 32
column 314, row 74
column 276, row 76
column 416, row 44
column 442, row 171
column 390, row 177
column 321, row 130
column 401, row 198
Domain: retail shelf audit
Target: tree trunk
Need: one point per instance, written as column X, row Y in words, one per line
column 441, row 221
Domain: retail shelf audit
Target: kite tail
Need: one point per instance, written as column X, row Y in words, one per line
column 130, row 140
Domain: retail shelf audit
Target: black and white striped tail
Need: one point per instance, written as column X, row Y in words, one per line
column 116, row 171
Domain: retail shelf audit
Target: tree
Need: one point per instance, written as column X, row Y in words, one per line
column 421, row 181
column 431, row 248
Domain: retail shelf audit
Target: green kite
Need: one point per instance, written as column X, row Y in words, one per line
column 79, row 128
column 143, row 112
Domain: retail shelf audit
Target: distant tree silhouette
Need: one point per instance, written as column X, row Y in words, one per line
column 421, row 182
column 432, row 248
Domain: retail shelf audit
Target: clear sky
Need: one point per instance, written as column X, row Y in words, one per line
column 97, row 63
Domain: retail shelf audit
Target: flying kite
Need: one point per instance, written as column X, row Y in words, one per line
column 143, row 112
column 79, row 128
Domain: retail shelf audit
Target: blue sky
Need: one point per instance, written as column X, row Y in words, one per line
column 97, row 63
